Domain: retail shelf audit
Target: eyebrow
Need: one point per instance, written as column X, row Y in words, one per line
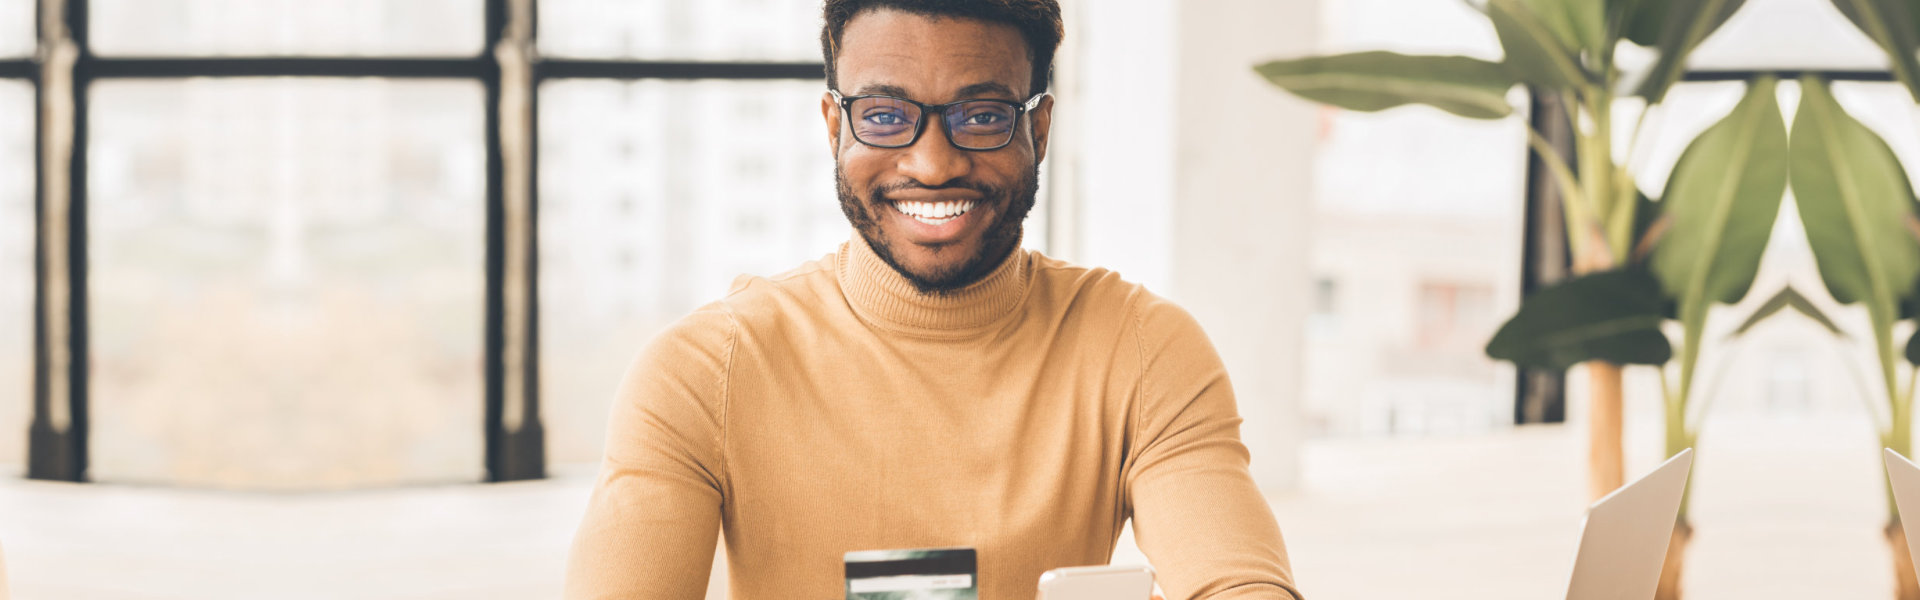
column 982, row 89
column 975, row 91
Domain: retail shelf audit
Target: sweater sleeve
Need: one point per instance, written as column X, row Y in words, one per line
column 652, row 522
column 1197, row 513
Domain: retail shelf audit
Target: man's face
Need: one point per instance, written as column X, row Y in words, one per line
column 935, row 61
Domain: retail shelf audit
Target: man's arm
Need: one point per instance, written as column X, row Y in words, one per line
column 652, row 522
column 1196, row 511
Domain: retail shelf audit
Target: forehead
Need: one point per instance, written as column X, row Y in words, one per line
column 930, row 57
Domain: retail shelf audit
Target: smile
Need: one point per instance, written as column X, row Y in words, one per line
column 934, row 213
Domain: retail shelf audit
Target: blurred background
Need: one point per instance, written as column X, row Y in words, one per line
column 345, row 288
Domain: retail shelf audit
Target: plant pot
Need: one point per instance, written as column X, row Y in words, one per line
column 1906, row 587
column 1676, row 555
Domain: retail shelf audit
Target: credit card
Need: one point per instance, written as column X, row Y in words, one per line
column 919, row 574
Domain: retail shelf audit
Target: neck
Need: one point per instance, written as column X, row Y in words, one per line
column 881, row 295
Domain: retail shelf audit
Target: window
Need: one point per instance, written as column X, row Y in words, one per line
column 293, row 268
column 16, row 28
column 644, row 219
column 301, row 255
column 286, row 27
column 1776, row 34
column 1454, row 317
column 1403, row 198
column 1326, row 296
column 16, row 272
column 708, row 30
column 1324, row 321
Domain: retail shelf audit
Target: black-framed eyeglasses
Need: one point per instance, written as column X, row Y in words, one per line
column 893, row 122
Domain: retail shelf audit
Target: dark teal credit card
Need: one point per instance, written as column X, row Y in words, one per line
column 922, row 574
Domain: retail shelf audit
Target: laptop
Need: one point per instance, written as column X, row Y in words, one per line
column 1905, row 479
column 1624, row 545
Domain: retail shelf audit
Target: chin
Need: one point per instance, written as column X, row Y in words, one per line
column 933, row 263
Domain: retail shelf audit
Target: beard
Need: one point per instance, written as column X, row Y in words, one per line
column 997, row 243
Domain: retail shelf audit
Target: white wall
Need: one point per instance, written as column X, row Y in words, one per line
column 1193, row 178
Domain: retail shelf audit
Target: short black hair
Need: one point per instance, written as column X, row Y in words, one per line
column 1037, row 20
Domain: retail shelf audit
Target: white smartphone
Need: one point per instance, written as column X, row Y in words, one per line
column 1097, row 583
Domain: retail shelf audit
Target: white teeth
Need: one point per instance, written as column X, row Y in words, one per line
column 934, row 212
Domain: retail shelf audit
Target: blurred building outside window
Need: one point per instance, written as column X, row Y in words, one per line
column 285, row 27
column 707, row 30
column 17, row 37
column 16, row 273
column 1324, row 320
column 644, row 218
column 1454, row 317
column 286, row 282
column 1404, row 198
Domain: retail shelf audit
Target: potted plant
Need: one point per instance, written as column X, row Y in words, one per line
column 1638, row 261
column 1863, row 224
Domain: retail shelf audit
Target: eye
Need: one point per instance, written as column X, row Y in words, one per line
column 886, row 118
column 985, row 118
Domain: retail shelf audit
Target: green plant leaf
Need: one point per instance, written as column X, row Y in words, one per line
column 1788, row 299
column 1620, row 16
column 1580, row 24
column 1651, row 20
column 1854, row 199
column 1895, row 26
column 1374, row 81
column 1723, row 197
column 1913, row 349
column 1674, row 28
column 1610, row 315
column 1534, row 53
column 1648, row 226
column 1909, row 307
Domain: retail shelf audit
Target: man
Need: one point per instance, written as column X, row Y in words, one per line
column 930, row 384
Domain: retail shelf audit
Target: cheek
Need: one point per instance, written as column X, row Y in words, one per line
column 1006, row 167
column 861, row 168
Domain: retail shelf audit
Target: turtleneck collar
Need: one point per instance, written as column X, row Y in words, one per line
column 883, row 297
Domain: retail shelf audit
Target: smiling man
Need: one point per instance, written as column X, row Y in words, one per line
column 931, row 384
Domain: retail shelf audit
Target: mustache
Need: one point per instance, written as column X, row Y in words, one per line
column 985, row 191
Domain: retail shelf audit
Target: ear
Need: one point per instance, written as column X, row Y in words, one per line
column 830, row 113
column 1042, row 121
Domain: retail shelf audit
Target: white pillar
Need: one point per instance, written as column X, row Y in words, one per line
column 1194, row 177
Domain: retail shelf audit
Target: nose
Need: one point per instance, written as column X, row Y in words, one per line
column 933, row 160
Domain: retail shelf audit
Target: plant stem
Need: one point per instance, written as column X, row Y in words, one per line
column 1575, row 208
column 1633, row 141
column 1597, row 173
column 1900, row 403
column 1606, row 469
column 1892, row 438
column 1679, row 437
column 1899, row 434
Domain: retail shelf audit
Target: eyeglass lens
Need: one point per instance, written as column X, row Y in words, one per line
column 892, row 122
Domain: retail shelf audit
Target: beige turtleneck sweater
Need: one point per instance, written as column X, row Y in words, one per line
column 835, row 408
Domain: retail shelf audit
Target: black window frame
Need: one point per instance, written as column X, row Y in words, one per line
column 516, row 453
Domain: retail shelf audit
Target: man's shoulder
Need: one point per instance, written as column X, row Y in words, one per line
column 808, row 287
column 1147, row 320
column 750, row 300
column 1097, row 292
